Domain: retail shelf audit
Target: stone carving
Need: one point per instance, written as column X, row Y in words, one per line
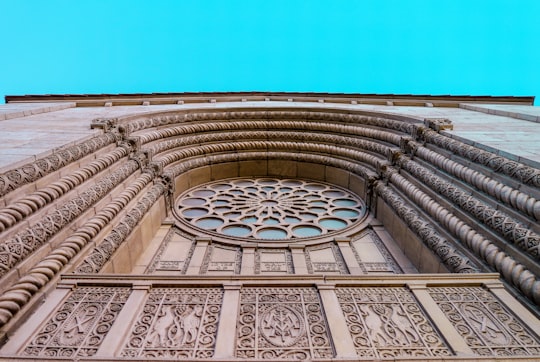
column 389, row 323
column 484, row 323
column 389, row 265
column 282, row 323
column 158, row 263
column 512, row 271
column 176, row 323
column 33, row 171
column 269, row 117
column 103, row 252
column 25, row 242
column 283, row 261
column 29, row 204
column 513, row 231
column 503, row 193
column 80, row 324
column 18, row 294
column 335, row 265
column 213, row 251
column 526, row 174
column 451, row 257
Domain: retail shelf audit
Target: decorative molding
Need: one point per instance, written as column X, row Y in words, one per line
column 503, row 193
column 33, row 171
column 515, row 232
column 16, row 249
column 29, row 204
column 104, row 251
column 518, row 171
column 452, row 258
column 338, row 265
column 16, row 296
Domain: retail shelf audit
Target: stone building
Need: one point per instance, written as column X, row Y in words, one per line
column 268, row 226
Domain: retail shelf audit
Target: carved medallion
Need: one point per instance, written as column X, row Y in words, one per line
column 281, row 325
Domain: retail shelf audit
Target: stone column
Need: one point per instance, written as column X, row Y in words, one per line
column 248, row 260
column 24, row 332
column 450, row 334
column 299, row 259
column 344, row 245
column 116, row 337
column 522, row 313
column 226, row 333
column 337, row 324
column 198, row 255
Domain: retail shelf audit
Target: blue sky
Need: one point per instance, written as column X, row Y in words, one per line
column 419, row 47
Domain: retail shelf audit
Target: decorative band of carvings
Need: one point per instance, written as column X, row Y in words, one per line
column 129, row 126
column 284, row 125
column 103, row 252
column 20, row 293
column 300, row 138
column 25, row 242
column 293, row 147
column 33, row 171
column 526, row 174
column 513, row 272
column 191, row 163
column 498, row 221
column 27, row 205
column 442, row 247
column 503, row 193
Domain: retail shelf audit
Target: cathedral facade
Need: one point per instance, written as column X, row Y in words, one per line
column 269, row 226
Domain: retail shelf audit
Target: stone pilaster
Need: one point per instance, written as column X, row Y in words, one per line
column 198, row 255
column 226, row 333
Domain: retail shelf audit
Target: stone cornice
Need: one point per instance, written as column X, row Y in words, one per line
column 96, row 100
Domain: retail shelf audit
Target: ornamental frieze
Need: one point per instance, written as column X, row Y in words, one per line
column 282, row 323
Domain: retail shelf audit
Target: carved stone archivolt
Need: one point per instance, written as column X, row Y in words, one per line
column 389, row 323
column 282, row 323
column 488, row 327
column 79, row 326
column 176, row 323
column 33, row 171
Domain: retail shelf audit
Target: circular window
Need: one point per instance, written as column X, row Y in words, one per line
column 269, row 209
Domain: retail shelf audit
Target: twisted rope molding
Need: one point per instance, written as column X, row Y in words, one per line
column 244, row 126
column 14, row 250
column 452, row 258
column 498, row 221
column 27, row 205
column 331, row 151
column 129, row 126
column 103, row 252
column 512, row 271
column 503, row 193
column 33, row 171
column 16, row 297
column 299, row 138
column 518, row 171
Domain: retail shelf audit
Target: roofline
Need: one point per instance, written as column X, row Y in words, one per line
column 198, row 97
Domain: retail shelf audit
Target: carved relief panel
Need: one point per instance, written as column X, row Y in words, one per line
column 372, row 255
column 325, row 258
column 222, row 259
column 176, row 323
column 273, row 261
column 388, row 323
column 486, row 325
column 79, row 326
column 173, row 255
column 282, row 323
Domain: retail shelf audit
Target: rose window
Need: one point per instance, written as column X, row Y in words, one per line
column 269, row 209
